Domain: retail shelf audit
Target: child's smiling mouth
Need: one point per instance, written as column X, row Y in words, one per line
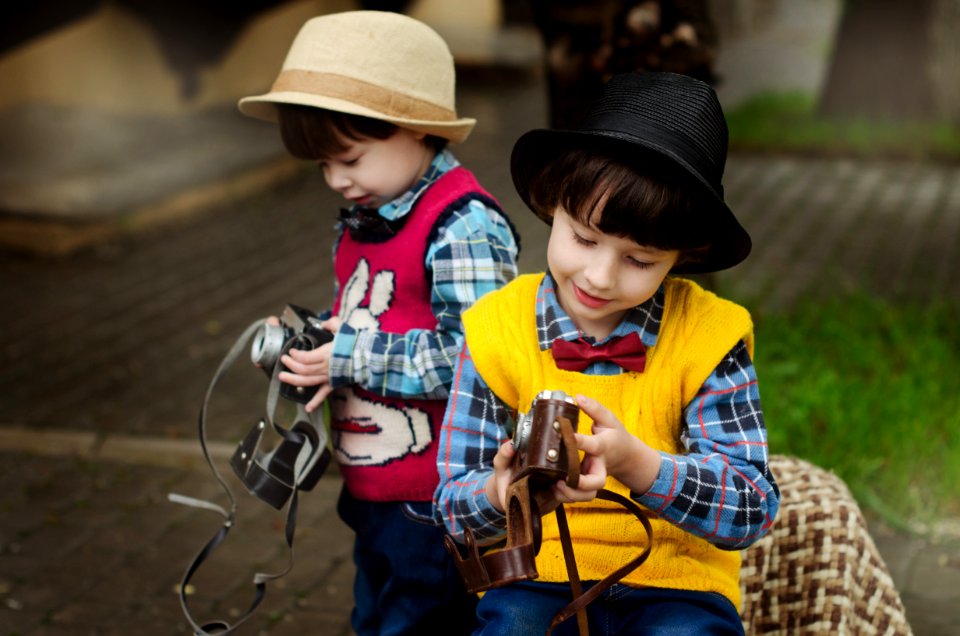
column 586, row 299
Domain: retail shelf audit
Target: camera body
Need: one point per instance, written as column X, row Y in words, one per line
column 299, row 328
column 543, row 440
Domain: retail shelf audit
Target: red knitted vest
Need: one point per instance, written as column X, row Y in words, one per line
column 387, row 447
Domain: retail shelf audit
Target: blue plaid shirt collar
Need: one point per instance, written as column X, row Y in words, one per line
column 553, row 322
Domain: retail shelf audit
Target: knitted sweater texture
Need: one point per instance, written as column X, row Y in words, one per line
column 698, row 329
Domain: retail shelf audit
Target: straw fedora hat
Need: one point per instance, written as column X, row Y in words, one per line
column 372, row 63
column 673, row 120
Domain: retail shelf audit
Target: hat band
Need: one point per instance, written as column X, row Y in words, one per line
column 378, row 98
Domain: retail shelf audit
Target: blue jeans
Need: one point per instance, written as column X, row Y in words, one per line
column 528, row 607
column 406, row 583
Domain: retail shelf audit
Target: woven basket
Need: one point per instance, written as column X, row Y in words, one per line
column 818, row 570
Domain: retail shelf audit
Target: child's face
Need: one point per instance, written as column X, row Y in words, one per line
column 600, row 277
column 372, row 172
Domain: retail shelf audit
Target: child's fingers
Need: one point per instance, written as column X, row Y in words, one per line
column 503, row 458
column 591, row 482
column 565, row 494
column 310, row 356
column 332, row 324
column 304, row 376
column 306, row 362
column 318, row 399
column 602, row 416
column 589, row 444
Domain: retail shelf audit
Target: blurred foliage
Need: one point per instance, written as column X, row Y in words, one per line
column 789, row 123
column 869, row 388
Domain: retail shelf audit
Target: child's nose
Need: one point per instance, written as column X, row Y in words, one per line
column 601, row 272
column 336, row 179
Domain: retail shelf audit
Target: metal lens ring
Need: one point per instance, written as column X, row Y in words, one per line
column 267, row 345
column 521, row 436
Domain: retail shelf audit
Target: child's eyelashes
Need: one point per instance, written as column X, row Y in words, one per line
column 583, row 241
column 639, row 264
column 632, row 261
column 323, row 163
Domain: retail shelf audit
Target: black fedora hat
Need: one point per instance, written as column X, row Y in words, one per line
column 672, row 119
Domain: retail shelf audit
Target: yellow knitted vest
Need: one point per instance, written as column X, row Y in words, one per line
column 698, row 329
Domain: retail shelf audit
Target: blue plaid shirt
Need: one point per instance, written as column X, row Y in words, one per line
column 475, row 252
column 721, row 489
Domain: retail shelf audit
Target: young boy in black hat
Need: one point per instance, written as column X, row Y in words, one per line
column 661, row 369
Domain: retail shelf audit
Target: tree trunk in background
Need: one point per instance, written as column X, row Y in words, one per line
column 881, row 66
column 945, row 58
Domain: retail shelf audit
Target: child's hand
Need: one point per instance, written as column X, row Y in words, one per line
column 593, row 475
column 311, row 368
column 332, row 324
column 625, row 456
column 502, row 476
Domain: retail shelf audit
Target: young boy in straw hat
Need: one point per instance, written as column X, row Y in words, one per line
column 661, row 369
column 369, row 96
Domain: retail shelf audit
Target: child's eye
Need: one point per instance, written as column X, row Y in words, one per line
column 582, row 241
column 638, row 263
column 350, row 162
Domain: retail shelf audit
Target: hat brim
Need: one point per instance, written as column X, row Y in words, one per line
column 536, row 148
column 265, row 107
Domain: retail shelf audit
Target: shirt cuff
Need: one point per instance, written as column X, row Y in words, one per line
column 667, row 485
column 495, row 522
column 341, row 362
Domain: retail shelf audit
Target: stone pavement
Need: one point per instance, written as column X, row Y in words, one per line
column 108, row 353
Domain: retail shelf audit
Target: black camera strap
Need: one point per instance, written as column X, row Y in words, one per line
column 277, row 477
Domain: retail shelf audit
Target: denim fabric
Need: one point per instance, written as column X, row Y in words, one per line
column 406, row 583
column 528, row 608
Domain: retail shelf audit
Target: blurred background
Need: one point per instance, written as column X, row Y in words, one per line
column 144, row 223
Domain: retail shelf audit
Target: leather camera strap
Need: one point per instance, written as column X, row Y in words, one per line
column 576, row 588
column 295, row 437
column 582, row 599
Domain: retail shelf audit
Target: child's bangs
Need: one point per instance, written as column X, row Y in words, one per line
column 645, row 203
column 316, row 133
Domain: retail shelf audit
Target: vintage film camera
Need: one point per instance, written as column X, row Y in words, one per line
column 299, row 328
column 546, row 452
column 300, row 458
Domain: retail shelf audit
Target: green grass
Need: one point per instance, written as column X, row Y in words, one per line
column 788, row 122
column 871, row 390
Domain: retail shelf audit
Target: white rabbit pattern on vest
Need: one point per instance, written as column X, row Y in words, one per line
column 367, row 432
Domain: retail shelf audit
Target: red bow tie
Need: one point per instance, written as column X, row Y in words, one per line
column 627, row 352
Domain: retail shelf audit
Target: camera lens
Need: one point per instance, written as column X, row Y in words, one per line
column 521, row 436
column 267, row 345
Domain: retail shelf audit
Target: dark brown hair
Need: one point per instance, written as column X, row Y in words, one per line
column 317, row 133
column 629, row 198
